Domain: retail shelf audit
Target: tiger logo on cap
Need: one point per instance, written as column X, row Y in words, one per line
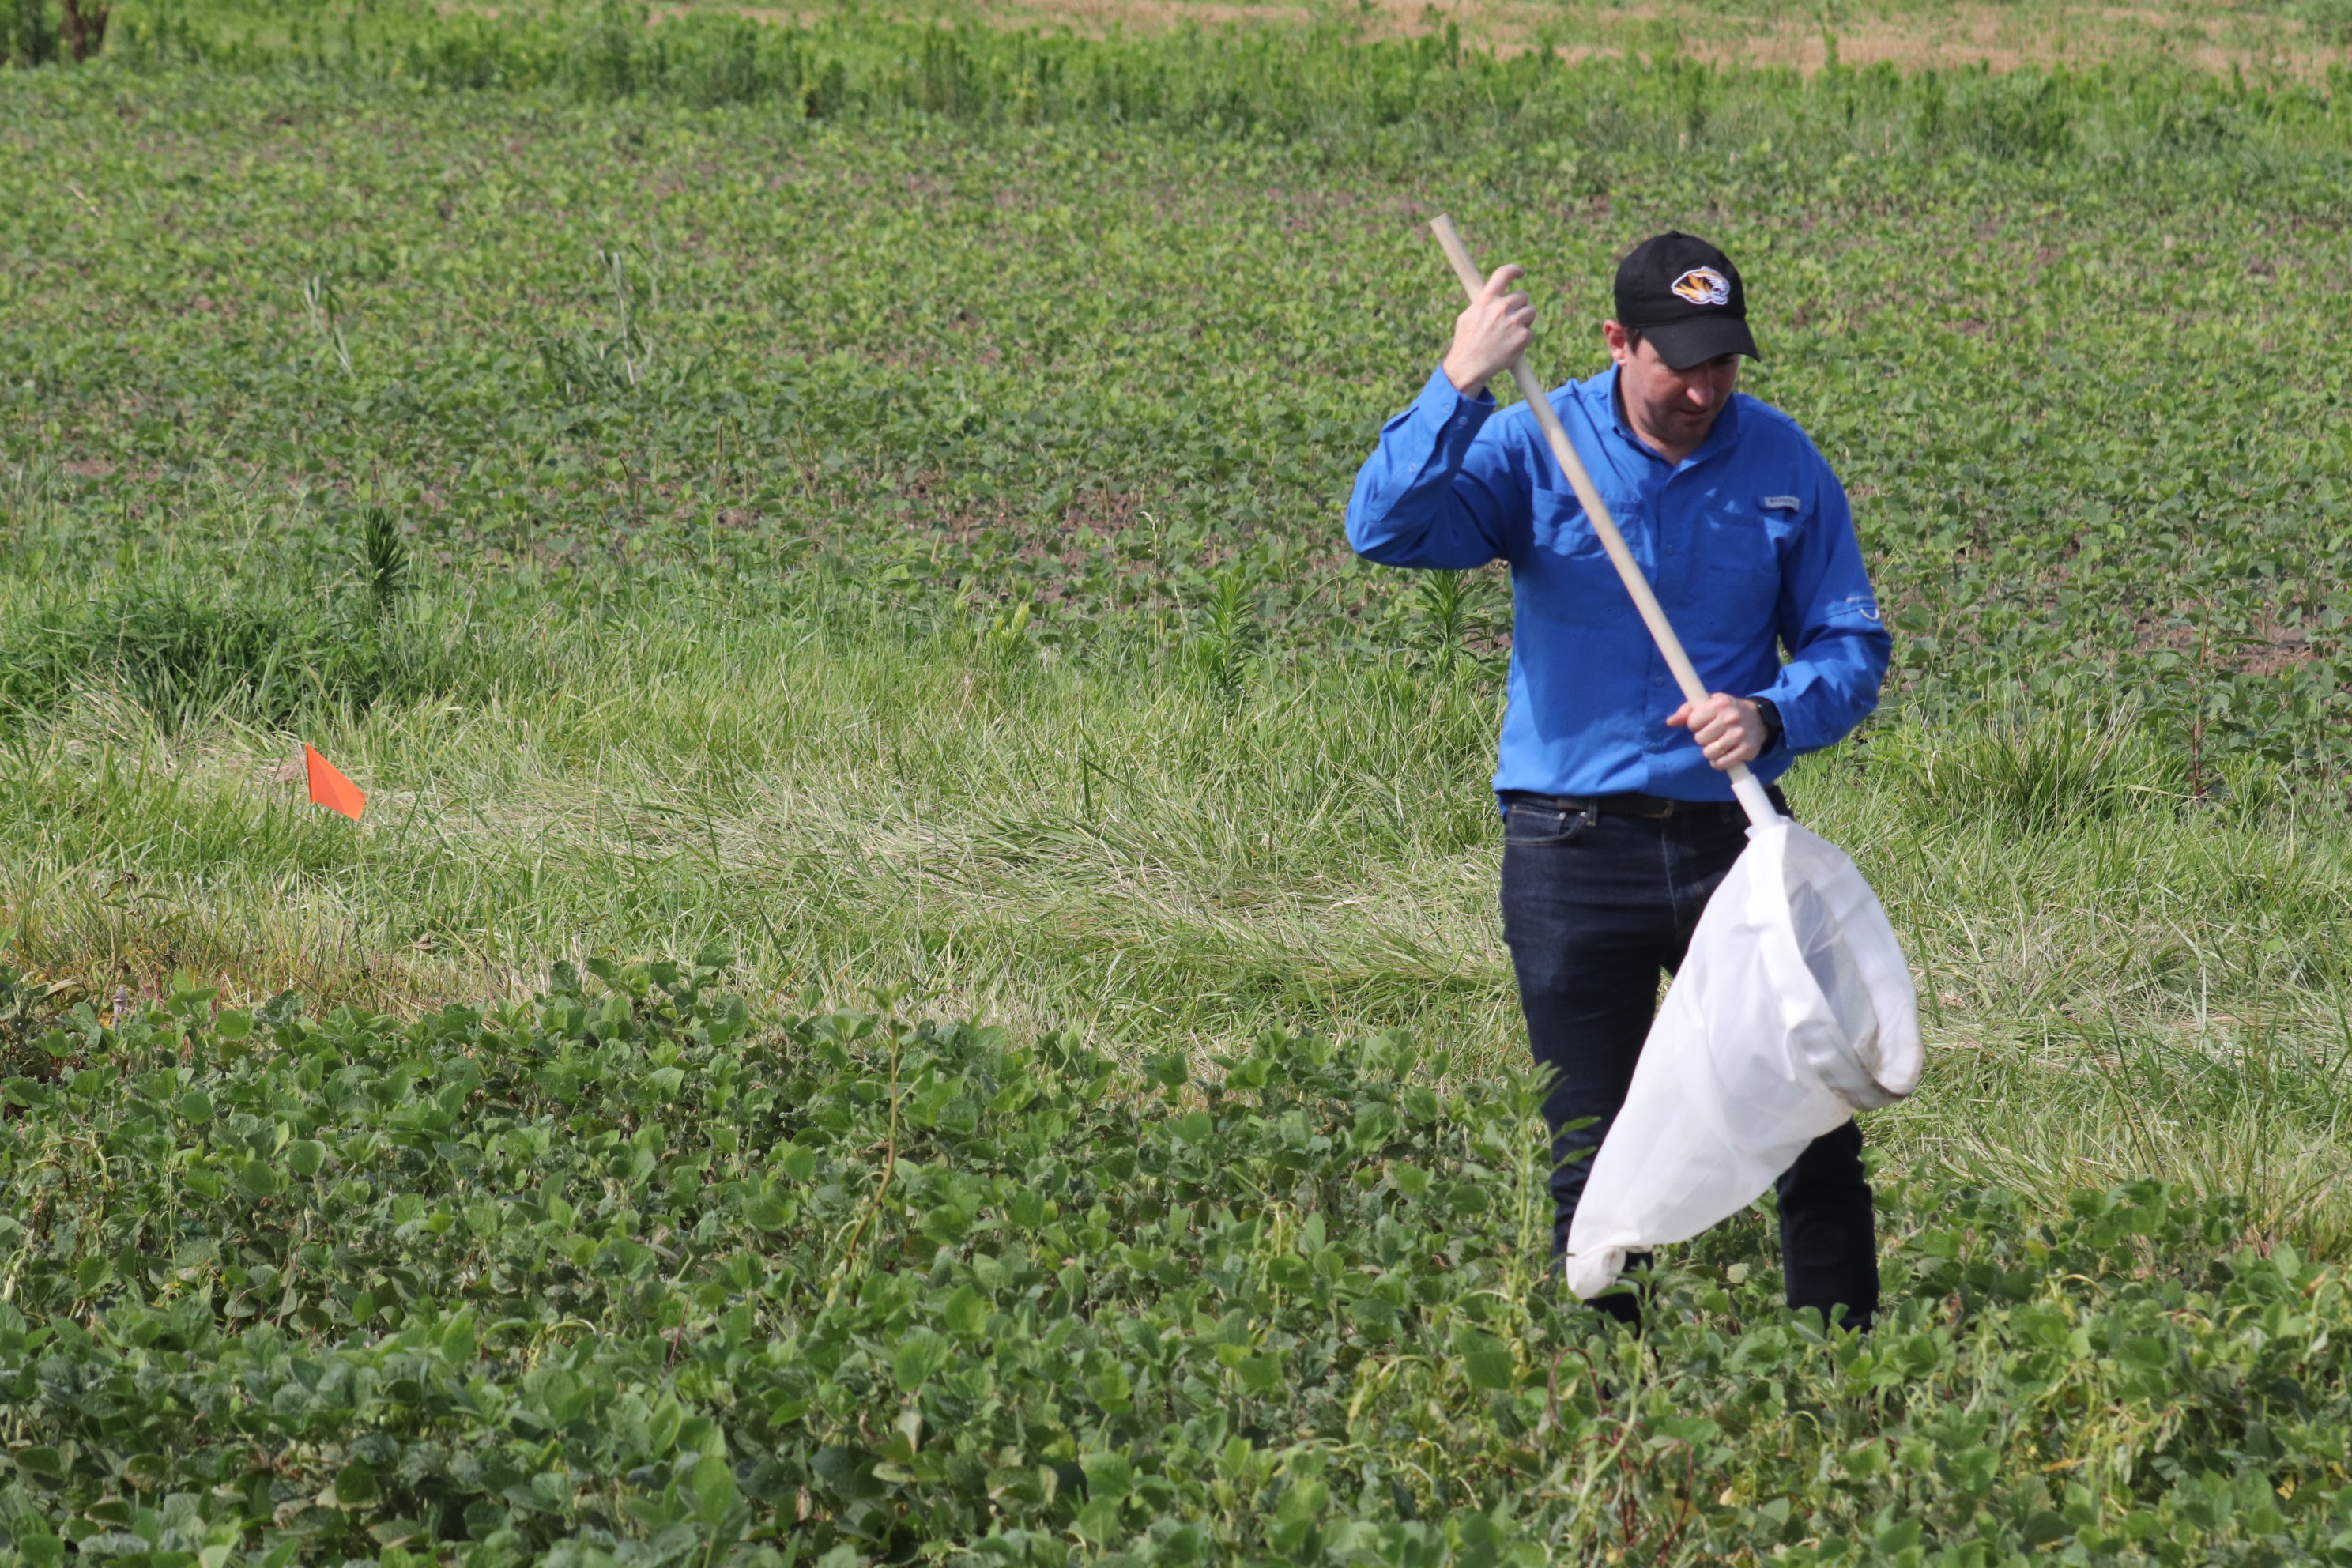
column 1703, row 285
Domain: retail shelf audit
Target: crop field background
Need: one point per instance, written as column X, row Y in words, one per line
column 920, row 979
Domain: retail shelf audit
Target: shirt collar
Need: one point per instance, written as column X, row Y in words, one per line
column 1720, row 438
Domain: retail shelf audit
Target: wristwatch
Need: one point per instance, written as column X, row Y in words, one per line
column 1769, row 711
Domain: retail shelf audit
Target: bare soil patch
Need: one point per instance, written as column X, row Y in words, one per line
column 1911, row 34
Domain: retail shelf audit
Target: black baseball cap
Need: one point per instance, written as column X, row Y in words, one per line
column 1684, row 296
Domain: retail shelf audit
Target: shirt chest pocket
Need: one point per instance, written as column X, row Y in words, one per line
column 1739, row 563
column 1572, row 578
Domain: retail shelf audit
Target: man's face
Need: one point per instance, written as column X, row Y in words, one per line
column 1677, row 408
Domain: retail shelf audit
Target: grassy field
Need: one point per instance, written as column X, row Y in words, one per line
column 863, row 495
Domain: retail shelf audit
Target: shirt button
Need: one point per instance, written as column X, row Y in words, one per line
column 1658, row 680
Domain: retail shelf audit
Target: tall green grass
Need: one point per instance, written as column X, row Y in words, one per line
column 1324, row 82
column 184, row 644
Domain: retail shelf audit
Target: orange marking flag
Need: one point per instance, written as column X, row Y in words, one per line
column 331, row 789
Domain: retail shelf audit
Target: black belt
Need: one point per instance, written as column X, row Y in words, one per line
column 1634, row 803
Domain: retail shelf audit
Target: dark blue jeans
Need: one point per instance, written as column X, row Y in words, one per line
column 1594, row 910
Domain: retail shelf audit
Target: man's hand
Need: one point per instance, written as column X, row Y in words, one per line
column 1494, row 330
column 1727, row 728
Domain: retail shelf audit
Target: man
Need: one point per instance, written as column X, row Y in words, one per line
column 1618, row 819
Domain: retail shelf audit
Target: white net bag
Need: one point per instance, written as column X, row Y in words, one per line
column 1792, row 1010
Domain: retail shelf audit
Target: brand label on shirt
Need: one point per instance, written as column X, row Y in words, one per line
column 1780, row 503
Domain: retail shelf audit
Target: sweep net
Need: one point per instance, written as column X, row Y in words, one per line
column 1792, row 1010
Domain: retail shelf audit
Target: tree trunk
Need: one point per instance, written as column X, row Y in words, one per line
column 84, row 31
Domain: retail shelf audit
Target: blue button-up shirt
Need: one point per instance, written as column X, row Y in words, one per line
column 1748, row 543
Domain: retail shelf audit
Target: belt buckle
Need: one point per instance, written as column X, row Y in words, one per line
column 1666, row 808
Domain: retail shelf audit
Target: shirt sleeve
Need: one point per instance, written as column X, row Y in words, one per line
column 1829, row 622
column 1436, row 492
